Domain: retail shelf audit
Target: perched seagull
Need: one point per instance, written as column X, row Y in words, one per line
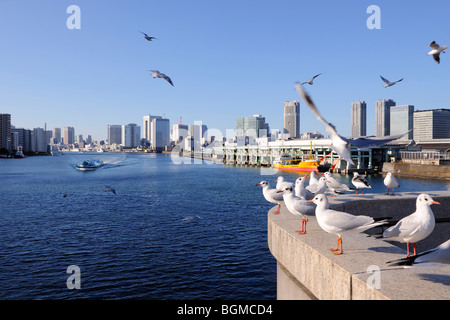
column 157, row 74
column 310, row 82
column 146, row 36
column 271, row 195
column 440, row 254
column 339, row 223
column 360, row 182
column 437, row 49
column 300, row 189
column 318, row 188
column 110, row 189
column 298, row 206
column 335, row 185
column 281, row 183
column 388, row 83
column 313, row 179
column 415, row 227
column 390, row 182
column 339, row 144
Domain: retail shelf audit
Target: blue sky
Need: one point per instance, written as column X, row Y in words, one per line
column 227, row 59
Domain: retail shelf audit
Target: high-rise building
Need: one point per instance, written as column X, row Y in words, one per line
column 38, row 140
column 431, row 124
column 69, row 135
column 383, row 117
column 251, row 126
column 291, row 118
column 359, row 118
column 56, row 136
column 147, row 124
column 179, row 132
column 131, row 135
column 5, row 131
column 402, row 120
column 160, row 134
column 114, row 134
column 23, row 138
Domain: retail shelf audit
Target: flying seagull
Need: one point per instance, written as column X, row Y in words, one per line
column 157, row 74
column 310, row 82
column 146, row 36
column 437, row 49
column 108, row 188
column 388, row 83
column 339, row 144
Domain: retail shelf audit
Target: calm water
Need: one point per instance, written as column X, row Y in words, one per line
column 136, row 244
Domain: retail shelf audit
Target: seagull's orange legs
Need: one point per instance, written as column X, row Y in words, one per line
column 337, row 247
column 303, row 230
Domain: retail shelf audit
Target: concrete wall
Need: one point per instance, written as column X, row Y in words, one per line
column 418, row 170
column 308, row 270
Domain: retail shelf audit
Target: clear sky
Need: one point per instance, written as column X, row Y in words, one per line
column 227, row 59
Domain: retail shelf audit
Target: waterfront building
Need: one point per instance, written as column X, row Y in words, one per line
column 56, row 135
column 23, row 137
column 131, row 135
column 358, row 119
column 383, row 117
column 114, row 134
column 179, row 132
column 431, row 124
column 254, row 126
column 38, row 140
column 160, row 134
column 291, row 118
column 312, row 135
column 69, row 135
column 402, row 120
column 147, row 126
column 5, row 131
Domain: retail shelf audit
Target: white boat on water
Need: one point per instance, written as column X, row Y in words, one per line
column 19, row 153
column 89, row 165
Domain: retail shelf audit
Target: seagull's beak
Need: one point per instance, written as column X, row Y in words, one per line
column 435, row 202
column 310, row 200
column 279, row 191
column 258, row 184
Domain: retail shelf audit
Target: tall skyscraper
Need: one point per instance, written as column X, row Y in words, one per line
column 383, row 117
column 146, row 128
column 402, row 120
column 179, row 132
column 5, row 131
column 24, row 138
column 291, row 118
column 69, row 135
column 114, row 134
column 38, row 140
column 131, row 135
column 160, row 134
column 358, row 118
column 56, row 135
column 251, row 126
column 431, row 124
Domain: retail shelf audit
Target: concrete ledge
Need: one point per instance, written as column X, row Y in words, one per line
column 308, row 270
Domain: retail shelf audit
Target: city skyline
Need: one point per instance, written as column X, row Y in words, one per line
column 225, row 59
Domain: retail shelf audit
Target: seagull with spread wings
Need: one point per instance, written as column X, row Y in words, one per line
column 146, row 36
column 437, row 49
column 388, row 83
column 339, row 144
column 157, row 74
column 310, row 82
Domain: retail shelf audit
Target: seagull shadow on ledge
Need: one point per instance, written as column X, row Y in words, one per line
column 436, row 278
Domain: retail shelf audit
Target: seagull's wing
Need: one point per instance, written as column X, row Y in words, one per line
column 143, row 33
column 373, row 142
column 399, row 80
column 437, row 57
column 316, row 76
column 385, row 80
column 166, row 78
column 434, row 45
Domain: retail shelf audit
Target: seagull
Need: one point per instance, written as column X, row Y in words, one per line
column 300, row 189
column 298, row 206
column 157, row 74
column 319, row 187
column 415, row 227
column 313, row 178
column 437, row 49
column 334, row 184
column 440, row 254
column 390, row 182
column 339, row 223
column 310, row 82
column 281, row 183
column 339, row 144
column 360, row 182
column 146, row 36
column 271, row 195
column 110, row 189
column 388, row 83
